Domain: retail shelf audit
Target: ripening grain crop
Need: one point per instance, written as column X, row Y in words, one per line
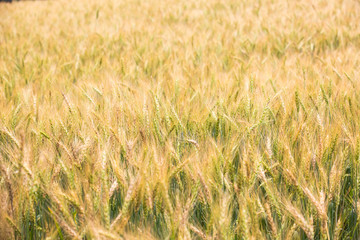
column 180, row 119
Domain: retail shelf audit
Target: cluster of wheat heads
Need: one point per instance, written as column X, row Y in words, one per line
column 180, row 119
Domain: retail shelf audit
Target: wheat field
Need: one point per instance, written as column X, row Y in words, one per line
column 180, row 119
